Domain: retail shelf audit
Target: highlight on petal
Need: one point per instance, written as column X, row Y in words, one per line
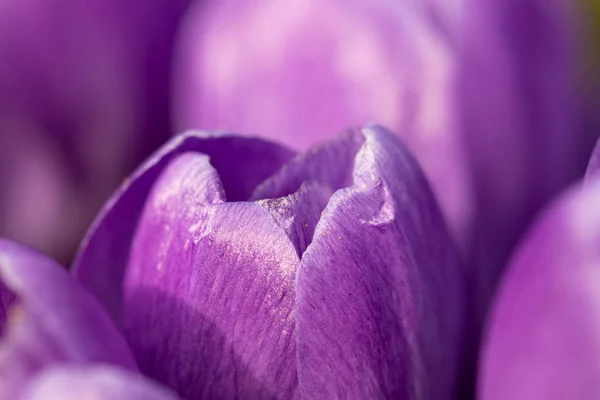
column 47, row 319
column 209, row 291
column 242, row 163
column 381, row 272
column 94, row 383
column 543, row 334
column 594, row 163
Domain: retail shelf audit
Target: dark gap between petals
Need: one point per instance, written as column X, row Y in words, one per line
column 9, row 308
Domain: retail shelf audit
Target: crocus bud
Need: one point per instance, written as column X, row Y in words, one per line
column 238, row 270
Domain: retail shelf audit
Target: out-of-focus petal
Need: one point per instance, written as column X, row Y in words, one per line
column 300, row 71
column 66, row 87
column 519, row 115
column 594, row 163
column 543, row 339
column 83, row 100
column 48, row 319
column 242, row 163
column 209, row 292
column 94, row 383
column 381, row 272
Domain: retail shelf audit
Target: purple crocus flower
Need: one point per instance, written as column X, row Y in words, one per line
column 237, row 269
column 83, row 99
column 482, row 92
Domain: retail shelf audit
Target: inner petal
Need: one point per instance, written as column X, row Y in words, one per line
column 299, row 212
column 330, row 164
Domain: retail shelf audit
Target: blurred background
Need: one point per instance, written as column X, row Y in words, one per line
column 496, row 98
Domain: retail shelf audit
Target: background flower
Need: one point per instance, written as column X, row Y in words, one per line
column 84, row 88
column 543, row 330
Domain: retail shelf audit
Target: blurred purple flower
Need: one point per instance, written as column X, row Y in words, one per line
column 238, row 270
column 482, row 92
column 594, row 164
column 521, row 110
column 84, row 91
column 543, row 339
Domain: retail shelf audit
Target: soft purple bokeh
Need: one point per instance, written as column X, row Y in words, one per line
column 84, row 89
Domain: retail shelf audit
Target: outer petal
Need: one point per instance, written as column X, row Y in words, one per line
column 49, row 319
column 381, row 273
column 242, row 163
column 519, row 112
column 543, row 337
column 96, row 383
column 210, row 291
column 300, row 71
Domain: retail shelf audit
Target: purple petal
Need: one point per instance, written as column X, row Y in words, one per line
column 48, row 319
column 380, row 289
column 242, row 163
column 98, row 383
column 210, row 290
column 299, row 212
column 594, row 163
column 543, row 338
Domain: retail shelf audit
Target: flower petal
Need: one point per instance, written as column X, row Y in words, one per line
column 210, row 291
column 97, row 383
column 543, row 338
column 299, row 212
column 49, row 319
column 594, row 163
column 242, row 163
column 381, row 273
